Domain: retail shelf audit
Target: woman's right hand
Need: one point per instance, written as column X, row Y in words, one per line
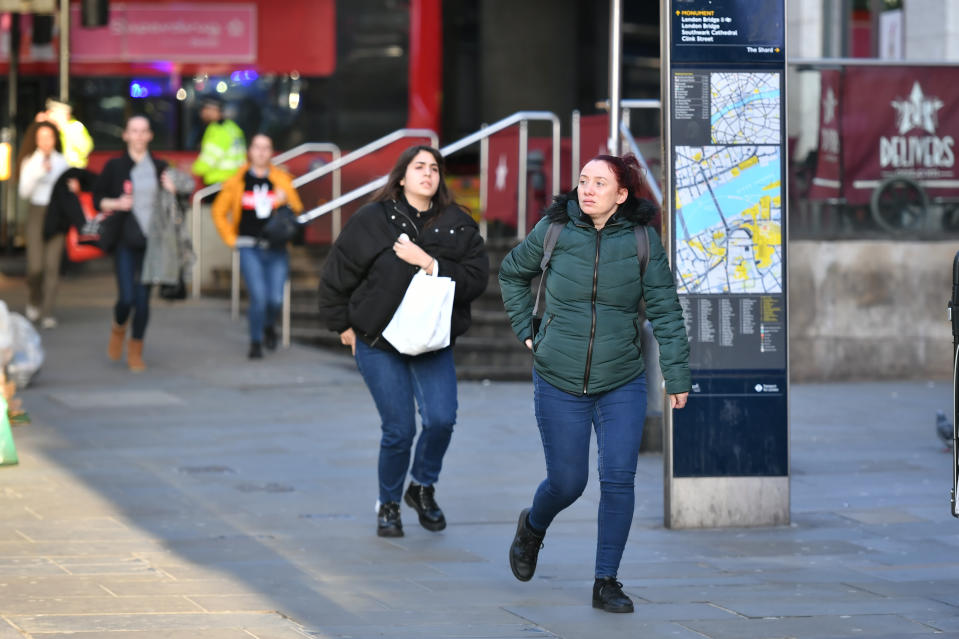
column 122, row 203
column 529, row 343
column 348, row 338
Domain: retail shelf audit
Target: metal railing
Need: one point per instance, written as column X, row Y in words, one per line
column 627, row 105
column 651, row 181
column 333, row 167
column 628, row 136
column 522, row 118
column 196, row 220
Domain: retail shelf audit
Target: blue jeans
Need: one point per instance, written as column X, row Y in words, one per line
column 565, row 422
column 265, row 272
column 395, row 380
column 132, row 295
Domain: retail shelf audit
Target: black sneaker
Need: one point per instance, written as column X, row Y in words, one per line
column 421, row 499
column 269, row 338
column 525, row 549
column 608, row 595
column 256, row 351
column 388, row 522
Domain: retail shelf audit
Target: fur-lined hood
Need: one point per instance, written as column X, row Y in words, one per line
column 635, row 210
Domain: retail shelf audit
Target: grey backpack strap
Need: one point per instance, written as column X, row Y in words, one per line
column 642, row 247
column 549, row 243
column 642, row 253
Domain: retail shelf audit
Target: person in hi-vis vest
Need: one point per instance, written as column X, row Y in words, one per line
column 223, row 148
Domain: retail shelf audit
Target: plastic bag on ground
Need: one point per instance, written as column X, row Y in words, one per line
column 27, row 357
column 6, row 334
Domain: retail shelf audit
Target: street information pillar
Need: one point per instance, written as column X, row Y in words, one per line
column 726, row 453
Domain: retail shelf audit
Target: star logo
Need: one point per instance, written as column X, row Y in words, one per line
column 829, row 104
column 502, row 170
column 917, row 111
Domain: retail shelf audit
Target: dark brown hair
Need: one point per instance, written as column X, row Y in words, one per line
column 393, row 190
column 29, row 144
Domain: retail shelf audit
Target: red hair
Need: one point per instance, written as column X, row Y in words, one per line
column 629, row 175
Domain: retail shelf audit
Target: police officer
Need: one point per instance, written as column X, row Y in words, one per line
column 223, row 148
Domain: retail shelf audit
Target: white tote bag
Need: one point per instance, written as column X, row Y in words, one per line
column 422, row 321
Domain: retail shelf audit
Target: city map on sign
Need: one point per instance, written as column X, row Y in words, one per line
column 728, row 219
column 745, row 108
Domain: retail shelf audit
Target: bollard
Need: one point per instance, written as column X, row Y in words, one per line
column 953, row 309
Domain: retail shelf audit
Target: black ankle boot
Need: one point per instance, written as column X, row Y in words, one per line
column 421, row 499
column 269, row 338
column 525, row 549
column 256, row 351
column 388, row 522
column 608, row 595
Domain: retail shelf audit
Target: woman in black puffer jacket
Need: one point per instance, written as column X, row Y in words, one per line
column 412, row 223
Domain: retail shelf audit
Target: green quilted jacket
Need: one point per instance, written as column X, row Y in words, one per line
column 589, row 339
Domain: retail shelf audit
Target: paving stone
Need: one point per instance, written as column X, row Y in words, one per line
column 103, row 604
column 8, row 631
column 47, row 624
column 114, row 399
column 585, row 622
column 810, row 627
column 199, row 633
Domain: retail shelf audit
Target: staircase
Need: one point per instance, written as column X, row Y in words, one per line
column 489, row 350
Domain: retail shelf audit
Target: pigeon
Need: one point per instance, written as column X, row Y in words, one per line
column 944, row 429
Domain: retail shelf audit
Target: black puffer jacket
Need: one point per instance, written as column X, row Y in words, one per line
column 110, row 184
column 364, row 282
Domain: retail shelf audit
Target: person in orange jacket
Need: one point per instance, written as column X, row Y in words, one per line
column 240, row 212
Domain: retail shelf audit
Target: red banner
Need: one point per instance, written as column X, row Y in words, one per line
column 173, row 32
column 593, row 136
column 827, row 182
column 503, row 182
column 215, row 36
column 900, row 121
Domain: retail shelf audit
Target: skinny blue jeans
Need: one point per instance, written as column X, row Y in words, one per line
column 565, row 422
column 264, row 272
column 399, row 383
column 133, row 297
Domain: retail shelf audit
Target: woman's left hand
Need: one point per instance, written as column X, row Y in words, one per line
column 167, row 182
column 411, row 253
column 678, row 400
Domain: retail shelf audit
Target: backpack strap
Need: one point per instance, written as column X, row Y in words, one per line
column 549, row 243
column 642, row 253
column 642, row 247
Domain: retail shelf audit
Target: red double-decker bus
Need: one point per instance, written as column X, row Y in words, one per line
column 299, row 70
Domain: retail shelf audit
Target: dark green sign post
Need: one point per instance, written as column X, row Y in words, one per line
column 727, row 452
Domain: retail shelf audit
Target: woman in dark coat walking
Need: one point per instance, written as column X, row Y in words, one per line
column 412, row 223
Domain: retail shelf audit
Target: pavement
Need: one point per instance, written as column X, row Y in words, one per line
column 217, row 498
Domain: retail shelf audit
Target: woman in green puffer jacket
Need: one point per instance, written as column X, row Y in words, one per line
column 588, row 368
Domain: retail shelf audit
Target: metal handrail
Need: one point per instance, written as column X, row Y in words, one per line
column 576, row 141
column 333, row 167
column 627, row 135
column 361, row 152
column 522, row 118
column 643, row 103
column 819, row 63
column 196, row 221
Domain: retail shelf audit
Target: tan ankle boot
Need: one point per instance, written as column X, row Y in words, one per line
column 118, row 335
column 135, row 356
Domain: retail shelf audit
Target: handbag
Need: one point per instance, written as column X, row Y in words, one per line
column 281, row 228
column 78, row 251
column 173, row 292
column 103, row 231
column 421, row 323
